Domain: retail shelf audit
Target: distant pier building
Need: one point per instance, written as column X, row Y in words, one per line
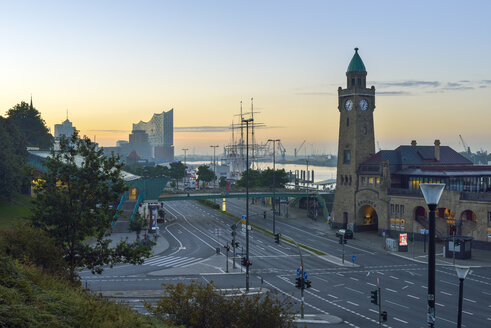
column 380, row 191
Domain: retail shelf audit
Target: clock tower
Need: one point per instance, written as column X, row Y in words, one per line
column 356, row 104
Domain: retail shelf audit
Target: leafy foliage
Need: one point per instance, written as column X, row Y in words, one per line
column 13, row 159
column 209, row 203
column 31, row 298
column 30, row 245
column 203, row 306
column 205, row 174
column 138, row 223
column 28, row 120
column 264, row 178
column 177, row 171
column 222, row 182
column 73, row 204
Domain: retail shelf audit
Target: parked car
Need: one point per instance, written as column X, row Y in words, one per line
column 347, row 233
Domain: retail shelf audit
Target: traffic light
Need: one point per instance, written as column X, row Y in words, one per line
column 384, row 316
column 236, row 244
column 298, row 282
column 227, row 247
column 277, row 238
column 243, row 261
column 308, row 283
column 264, row 214
column 374, row 297
column 248, row 263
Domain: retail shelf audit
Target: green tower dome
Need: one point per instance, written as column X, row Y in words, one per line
column 356, row 64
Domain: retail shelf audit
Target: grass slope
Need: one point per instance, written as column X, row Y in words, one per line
column 15, row 210
column 31, row 298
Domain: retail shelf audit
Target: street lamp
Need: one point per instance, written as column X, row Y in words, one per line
column 214, row 167
column 432, row 193
column 247, row 200
column 461, row 273
column 274, row 182
column 185, row 150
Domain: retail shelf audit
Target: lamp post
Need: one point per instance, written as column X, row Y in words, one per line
column 214, row 167
column 247, row 200
column 185, row 150
column 274, row 182
column 432, row 193
column 461, row 273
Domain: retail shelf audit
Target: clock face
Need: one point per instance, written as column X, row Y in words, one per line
column 363, row 104
column 348, row 104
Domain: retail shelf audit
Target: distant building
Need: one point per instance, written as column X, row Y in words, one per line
column 64, row 129
column 160, row 130
column 139, row 143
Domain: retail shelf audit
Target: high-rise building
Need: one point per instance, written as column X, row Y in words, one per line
column 160, row 130
column 64, row 129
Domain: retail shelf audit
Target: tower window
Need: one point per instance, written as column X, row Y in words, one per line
column 347, row 157
column 359, row 82
column 353, row 82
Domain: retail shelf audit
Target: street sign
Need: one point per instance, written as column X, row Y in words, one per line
column 298, row 272
column 305, row 275
column 244, row 218
column 353, row 259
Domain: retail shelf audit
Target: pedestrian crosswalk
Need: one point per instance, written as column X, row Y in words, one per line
column 171, row 261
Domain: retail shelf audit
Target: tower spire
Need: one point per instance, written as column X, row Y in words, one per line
column 31, row 103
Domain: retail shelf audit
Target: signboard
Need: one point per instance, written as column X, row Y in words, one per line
column 403, row 239
column 153, row 217
column 305, row 275
column 353, row 259
column 244, row 218
column 298, row 272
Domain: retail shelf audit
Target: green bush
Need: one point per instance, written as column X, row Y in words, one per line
column 209, row 203
column 203, row 306
column 31, row 245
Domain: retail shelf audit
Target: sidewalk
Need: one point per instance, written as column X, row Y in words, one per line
column 416, row 252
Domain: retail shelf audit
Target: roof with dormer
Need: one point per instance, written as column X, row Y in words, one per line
column 356, row 64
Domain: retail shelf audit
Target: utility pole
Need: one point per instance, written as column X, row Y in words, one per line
column 185, row 150
column 274, row 183
column 247, row 201
column 214, row 167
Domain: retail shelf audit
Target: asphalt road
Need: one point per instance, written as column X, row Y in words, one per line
column 337, row 290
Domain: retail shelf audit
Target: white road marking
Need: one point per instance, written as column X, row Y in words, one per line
column 352, row 303
column 446, row 293
column 394, row 277
column 332, row 296
column 416, row 297
column 447, row 282
column 406, row 307
column 391, row 290
column 354, row 290
column 405, row 287
column 439, row 304
column 469, row 300
column 354, row 279
column 409, row 282
column 369, row 283
column 469, row 313
column 372, row 310
column 400, row 320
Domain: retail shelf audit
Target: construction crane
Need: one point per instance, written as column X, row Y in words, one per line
column 297, row 150
column 282, row 150
column 466, row 148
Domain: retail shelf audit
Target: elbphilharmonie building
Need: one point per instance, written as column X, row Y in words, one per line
column 160, row 130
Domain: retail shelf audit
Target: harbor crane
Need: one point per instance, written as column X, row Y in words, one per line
column 297, row 150
column 466, row 148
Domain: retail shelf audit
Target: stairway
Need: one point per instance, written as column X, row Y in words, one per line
column 123, row 222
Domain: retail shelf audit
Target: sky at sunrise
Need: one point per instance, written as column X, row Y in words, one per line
column 114, row 63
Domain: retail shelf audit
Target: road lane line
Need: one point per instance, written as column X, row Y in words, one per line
column 332, row 296
column 447, row 282
column 369, row 283
column 405, row 287
column 354, row 279
column 354, row 290
column 409, row 282
column 394, row 277
column 469, row 313
column 469, row 300
column 403, row 306
column 439, row 304
column 352, row 303
column 372, row 310
column 400, row 320
column 416, row 297
column 445, row 293
column 391, row 290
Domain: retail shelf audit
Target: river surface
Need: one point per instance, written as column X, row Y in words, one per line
column 321, row 173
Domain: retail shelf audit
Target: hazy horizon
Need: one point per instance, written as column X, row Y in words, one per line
column 111, row 64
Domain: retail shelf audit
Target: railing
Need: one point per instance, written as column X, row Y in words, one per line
column 115, row 217
column 137, row 204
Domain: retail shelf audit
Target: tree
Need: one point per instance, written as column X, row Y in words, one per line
column 280, row 178
column 254, row 179
column 13, row 159
column 28, row 120
column 138, row 223
column 222, row 182
column 196, row 305
column 205, row 174
column 177, row 171
column 73, row 206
